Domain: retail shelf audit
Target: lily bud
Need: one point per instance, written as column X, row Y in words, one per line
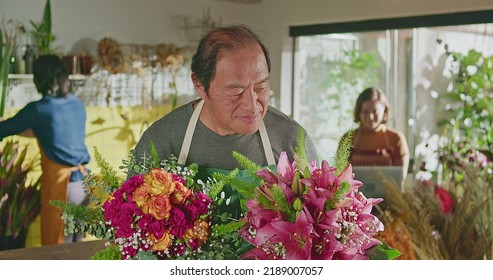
column 297, row 204
column 295, row 186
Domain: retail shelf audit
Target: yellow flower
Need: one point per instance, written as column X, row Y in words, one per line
column 159, row 206
column 161, row 244
column 141, row 196
column 180, row 194
column 158, row 181
column 200, row 230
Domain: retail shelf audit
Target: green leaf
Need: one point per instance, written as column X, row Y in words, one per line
column 341, row 159
column 300, row 149
column 382, row 252
column 109, row 253
column 246, row 163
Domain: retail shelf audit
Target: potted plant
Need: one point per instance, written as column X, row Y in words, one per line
column 43, row 37
column 5, row 54
column 20, row 198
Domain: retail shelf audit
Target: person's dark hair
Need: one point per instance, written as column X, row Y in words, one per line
column 218, row 41
column 50, row 72
column 371, row 93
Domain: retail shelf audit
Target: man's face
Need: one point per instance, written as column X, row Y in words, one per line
column 238, row 93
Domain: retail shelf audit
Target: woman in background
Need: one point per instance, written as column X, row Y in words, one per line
column 373, row 143
column 58, row 121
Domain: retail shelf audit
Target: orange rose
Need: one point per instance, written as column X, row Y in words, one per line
column 141, row 196
column 159, row 181
column 200, row 230
column 180, row 194
column 159, row 206
column 161, row 244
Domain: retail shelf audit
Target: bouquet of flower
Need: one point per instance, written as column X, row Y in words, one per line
column 303, row 212
column 161, row 212
column 310, row 214
column 158, row 212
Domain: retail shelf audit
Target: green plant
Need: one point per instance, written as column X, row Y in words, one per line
column 470, row 99
column 20, row 198
column 336, row 81
column 8, row 39
column 5, row 53
column 43, row 37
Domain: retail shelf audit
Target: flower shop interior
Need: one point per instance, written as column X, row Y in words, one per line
column 323, row 54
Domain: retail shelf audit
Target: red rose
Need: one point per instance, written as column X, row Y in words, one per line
column 446, row 200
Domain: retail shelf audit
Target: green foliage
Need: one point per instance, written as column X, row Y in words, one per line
column 43, row 37
column 382, row 252
column 229, row 246
column 81, row 219
column 109, row 253
column 300, row 149
column 339, row 194
column 8, row 37
column 246, row 163
column 20, row 199
column 337, row 81
column 214, row 188
column 243, row 187
column 154, row 155
column 470, row 98
column 284, row 206
column 107, row 172
column 341, row 158
column 222, row 229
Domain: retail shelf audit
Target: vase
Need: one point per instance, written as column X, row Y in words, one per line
column 8, row 242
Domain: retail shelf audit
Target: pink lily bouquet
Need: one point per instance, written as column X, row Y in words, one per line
column 310, row 213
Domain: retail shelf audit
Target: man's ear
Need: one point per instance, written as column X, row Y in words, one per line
column 198, row 86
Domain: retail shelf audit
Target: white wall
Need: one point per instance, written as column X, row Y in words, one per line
column 85, row 22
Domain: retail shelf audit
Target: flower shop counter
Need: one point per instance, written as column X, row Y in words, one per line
column 70, row 251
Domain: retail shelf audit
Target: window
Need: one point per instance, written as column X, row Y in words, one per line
column 333, row 63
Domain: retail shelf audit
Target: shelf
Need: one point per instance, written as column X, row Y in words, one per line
column 30, row 77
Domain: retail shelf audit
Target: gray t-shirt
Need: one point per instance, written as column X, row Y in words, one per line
column 210, row 150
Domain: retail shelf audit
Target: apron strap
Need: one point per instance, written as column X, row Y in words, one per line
column 266, row 143
column 187, row 141
column 185, row 147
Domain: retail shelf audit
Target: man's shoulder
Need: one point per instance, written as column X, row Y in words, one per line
column 177, row 116
column 278, row 123
column 275, row 116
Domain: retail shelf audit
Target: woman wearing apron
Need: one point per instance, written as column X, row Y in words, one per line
column 230, row 72
column 373, row 143
column 57, row 121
